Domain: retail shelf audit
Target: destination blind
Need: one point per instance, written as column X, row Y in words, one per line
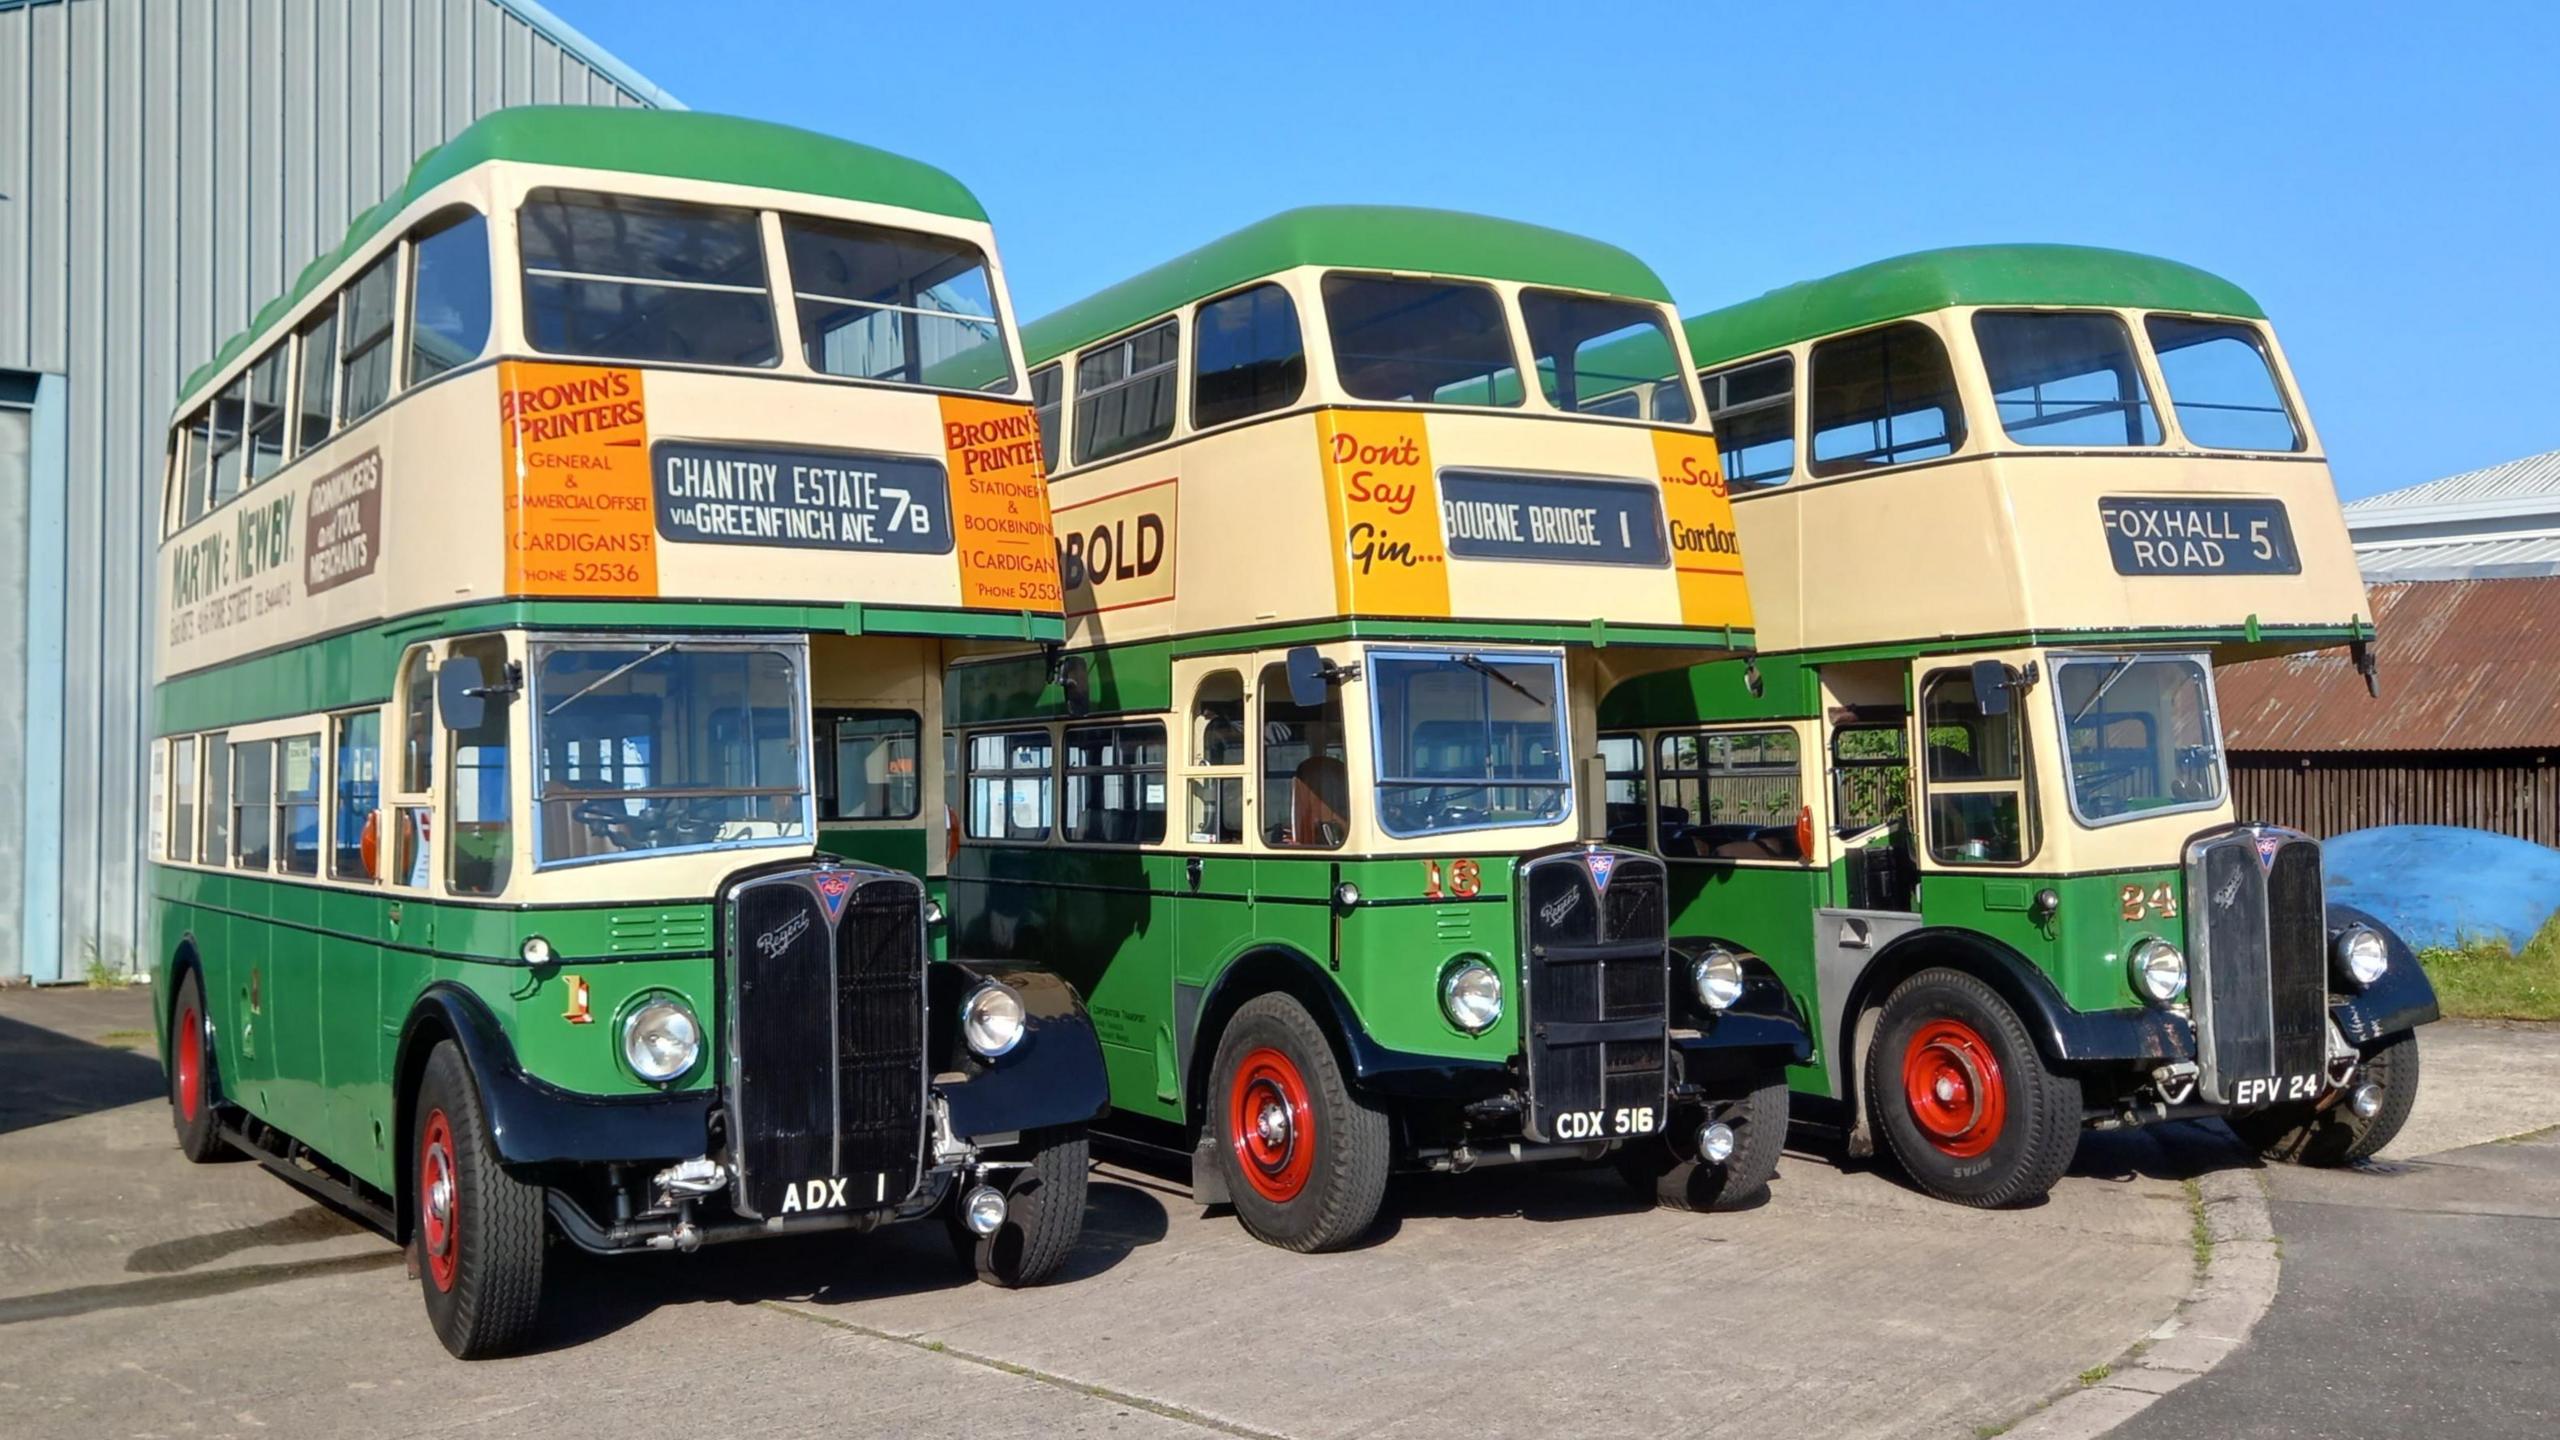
column 1547, row 517
column 802, row 497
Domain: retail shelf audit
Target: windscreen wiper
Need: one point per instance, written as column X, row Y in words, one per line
column 2101, row 692
column 652, row 653
column 1481, row 666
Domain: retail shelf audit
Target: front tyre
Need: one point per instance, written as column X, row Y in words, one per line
column 1043, row 1216
column 478, row 1230
column 195, row 1091
column 1669, row 1170
column 1305, row 1157
column 2328, row 1131
column 1963, row 1098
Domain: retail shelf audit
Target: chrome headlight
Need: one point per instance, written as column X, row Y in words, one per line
column 661, row 1040
column 991, row 1020
column 1471, row 996
column 1717, row 978
column 2362, row 954
column 2159, row 970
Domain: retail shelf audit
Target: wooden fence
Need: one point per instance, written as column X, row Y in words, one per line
column 2512, row 792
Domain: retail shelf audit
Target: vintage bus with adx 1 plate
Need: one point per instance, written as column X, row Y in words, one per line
column 1355, row 534
column 545, row 812
column 2007, row 508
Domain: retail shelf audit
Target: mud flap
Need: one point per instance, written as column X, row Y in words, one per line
column 1208, row 1178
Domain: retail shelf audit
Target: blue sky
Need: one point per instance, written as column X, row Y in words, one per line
column 2385, row 179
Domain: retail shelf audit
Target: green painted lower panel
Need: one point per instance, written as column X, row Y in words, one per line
column 1131, row 929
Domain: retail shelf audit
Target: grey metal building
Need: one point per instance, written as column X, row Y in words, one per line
column 166, row 167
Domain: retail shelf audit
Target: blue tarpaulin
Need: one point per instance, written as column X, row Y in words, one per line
column 2440, row 885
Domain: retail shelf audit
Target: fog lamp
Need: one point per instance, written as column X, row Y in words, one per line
column 538, row 951
column 661, row 1040
column 983, row 1208
column 2367, row 1101
column 992, row 1020
column 1471, row 996
column 1715, row 1142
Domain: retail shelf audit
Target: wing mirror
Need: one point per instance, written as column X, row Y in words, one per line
column 1312, row 676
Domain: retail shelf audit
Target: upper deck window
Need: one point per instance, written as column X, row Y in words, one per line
column 1124, row 392
column 229, row 407
column 448, row 297
column 1883, row 397
column 266, row 412
column 1753, row 408
column 1250, row 359
column 364, row 338
column 1443, row 341
column 622, row 278
column 893, row 305
column 1048, row 389
column 1605, row 357
column 319, row 338
column 2222, row 384
column 2065, row 378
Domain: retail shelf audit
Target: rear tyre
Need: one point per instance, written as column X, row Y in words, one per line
column 1305, row 1157
column 478, row 1230
column 1044, row 1213
column 1963, row 1098
column 1667, row 1168
column 195, row 1091
column 2332, row 1134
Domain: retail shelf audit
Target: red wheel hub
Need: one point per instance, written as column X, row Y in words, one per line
column 1272, row 1124
column 190, row 1064
column 439, row 1201
column 1951, row 1079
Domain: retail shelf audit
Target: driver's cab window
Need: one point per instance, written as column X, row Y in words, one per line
column 480, row 847
column 1622, row 790
column 1306, row 778
column 1217, row 738
column 1975, row 766
column 406, row 852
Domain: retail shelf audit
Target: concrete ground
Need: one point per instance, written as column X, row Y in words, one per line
column 143, row 1296
column 2420, row 1297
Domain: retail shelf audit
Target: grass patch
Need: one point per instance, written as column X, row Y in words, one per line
column 2199, row 1234
column 2095, row 1374
column 2483, row 979
column 124, row 1037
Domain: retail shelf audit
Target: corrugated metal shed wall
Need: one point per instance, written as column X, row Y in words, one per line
column 167, row 166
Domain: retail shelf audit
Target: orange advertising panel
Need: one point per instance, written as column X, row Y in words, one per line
column 579, row 515
column 1704, row 548
column 1388, row 555
column 999, row 505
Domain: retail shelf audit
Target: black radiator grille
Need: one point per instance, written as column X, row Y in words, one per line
column 826, row 1039
column 2259, row 940
column 1595, row 965
column 2298, row 961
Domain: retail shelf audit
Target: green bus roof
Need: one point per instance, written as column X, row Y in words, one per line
column 1350, row 237
column 1965, row 275
column 684, row 144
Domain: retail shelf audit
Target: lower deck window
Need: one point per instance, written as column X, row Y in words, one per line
column 1115, row 784
column 1009, row 785
column 1730, row 795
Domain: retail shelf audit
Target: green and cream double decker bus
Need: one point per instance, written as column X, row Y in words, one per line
column 2007, row 509
column 556, row 593
column 1355, row 531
